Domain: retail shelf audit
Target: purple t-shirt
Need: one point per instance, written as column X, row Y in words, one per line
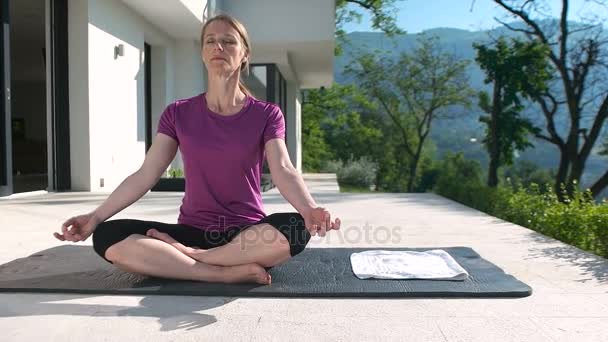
column 223, row 159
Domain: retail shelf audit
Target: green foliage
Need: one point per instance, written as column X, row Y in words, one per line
column 383, row 15
column 524, row 173
column 359, row 173
column 314, row 148
column 175, row 173
column 578, row 220
column 331, row 166
column 517, row 70
column 410, row 93
column 460, row 179
column 429, row 174
column 338, row 122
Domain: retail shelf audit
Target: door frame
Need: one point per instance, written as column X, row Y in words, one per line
column 6, row 165
column 59, row 99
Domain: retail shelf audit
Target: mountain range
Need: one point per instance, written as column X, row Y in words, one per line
column 456, row 134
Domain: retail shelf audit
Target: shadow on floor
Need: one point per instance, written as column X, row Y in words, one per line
column 173, row 312
column 594, row 266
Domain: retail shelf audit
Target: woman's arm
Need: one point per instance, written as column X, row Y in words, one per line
column 158, row 158
column 285, row 176
column 291, row 185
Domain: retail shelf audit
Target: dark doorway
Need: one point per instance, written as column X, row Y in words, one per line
column 28, row 95
column 5, row 110
column 26, row 58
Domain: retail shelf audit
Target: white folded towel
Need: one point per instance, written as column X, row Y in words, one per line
column 433, row 264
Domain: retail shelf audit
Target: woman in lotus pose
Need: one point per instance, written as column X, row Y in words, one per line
column 223, row 233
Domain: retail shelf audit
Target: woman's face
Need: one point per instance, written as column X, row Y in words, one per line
column 222, row 48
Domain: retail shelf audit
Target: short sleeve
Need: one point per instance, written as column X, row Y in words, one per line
column 166, row 124
column 275, row 126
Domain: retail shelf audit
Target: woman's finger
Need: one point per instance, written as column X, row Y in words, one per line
column 337, row 223
column 313, row 230
column 66, row 233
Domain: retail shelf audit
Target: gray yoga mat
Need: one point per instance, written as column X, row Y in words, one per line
column 316, row 272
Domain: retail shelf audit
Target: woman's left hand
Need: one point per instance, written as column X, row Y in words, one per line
column 318, row 220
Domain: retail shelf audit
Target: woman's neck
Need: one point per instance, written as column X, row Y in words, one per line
column 223, row 95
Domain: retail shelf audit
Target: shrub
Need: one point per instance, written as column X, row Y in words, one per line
column 175, row 173
column 428, row 175
column 525, row 172
column 331, row 166
column 578, row 220
column 359, row 173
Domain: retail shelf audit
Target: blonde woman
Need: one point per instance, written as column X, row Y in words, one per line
column 224, row 134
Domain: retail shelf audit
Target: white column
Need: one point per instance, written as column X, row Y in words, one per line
column 78, row 55
column 294, row 124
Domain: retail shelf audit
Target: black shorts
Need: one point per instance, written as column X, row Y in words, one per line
column 291, row 225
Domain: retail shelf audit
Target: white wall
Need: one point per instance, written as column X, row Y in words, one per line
column 116, row 91
column 189, row 76
column 269, row 21
column 107, row 92
column 78, row 52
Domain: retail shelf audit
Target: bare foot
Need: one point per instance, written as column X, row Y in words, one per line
column 247, row 273
column 153, row 233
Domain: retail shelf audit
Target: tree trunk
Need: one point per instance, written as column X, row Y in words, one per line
column 414, row 166
column 600, row 185
column 494, row 147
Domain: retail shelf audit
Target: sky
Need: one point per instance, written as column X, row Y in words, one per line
column 415, row 16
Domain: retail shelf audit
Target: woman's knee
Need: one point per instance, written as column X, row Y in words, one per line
column 108, row 234
column 293, row 226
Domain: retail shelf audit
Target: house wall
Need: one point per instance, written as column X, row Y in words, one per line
column 107, row 113
column 109, row 143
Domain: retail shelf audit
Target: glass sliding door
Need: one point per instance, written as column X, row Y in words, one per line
column 267, row 84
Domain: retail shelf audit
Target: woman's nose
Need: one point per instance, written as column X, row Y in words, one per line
column 218, row 46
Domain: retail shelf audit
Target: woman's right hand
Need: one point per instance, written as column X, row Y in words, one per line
column 78, row 228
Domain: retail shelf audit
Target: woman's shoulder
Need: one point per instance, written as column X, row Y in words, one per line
column 264, row 106
column 187, row 102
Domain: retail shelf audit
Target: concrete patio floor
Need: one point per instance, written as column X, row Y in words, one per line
column 569, row 302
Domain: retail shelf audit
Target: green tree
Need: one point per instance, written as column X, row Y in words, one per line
column 382, row 16
column 314, row 148
column 337, row 124
column 412, row 91
column 516, row 70
column 577, row 53
column 526, row 172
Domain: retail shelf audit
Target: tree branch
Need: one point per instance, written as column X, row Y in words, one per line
column 595, row 128
column 394, row 118
column 549, row 115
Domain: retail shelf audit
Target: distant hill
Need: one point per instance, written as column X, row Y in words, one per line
column 455, row 134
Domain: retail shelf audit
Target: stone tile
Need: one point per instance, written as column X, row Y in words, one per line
column 484, row 329
column 569, row 329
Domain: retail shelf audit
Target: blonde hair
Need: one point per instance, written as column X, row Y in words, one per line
column 240, row 28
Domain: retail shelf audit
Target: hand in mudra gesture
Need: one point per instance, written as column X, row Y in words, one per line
column 318, row 221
